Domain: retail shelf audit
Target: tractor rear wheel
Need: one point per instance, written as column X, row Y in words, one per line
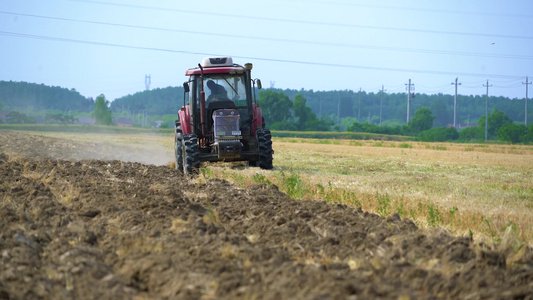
column 264, row 138
column 191, row 154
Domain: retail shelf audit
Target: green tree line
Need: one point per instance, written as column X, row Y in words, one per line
column 339, row 107
column 283, row 114
column 24, row 96
column 365, row 107
column 160, row 101
column 298, row 110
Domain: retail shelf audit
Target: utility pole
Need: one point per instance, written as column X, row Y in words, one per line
column 525, row 115
column 381, row 106
column 409, row 97
column 338, row 109
column 359, row 113
column 455, row 103
column 487, row 111
column 320, row 107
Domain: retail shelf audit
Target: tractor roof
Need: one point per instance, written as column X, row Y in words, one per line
column 217, row 65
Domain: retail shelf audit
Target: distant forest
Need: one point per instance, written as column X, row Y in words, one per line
column 160, row 101
column 334, row 105
column 31, row 97
column 365, row 107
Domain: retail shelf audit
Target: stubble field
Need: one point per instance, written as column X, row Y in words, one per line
column 81, row 219
column 468, row 189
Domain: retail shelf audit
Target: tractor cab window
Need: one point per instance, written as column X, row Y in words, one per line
column 224, row 91
column 225, row 88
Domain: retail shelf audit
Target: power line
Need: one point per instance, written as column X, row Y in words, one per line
column 255, row 58
column 508, row 86
column 292, row 41
column 396, row 87
column 256, row 18
column 469, row 13
column 476, row 84
column 434, row 87
column 347, row 66
column 58, row 39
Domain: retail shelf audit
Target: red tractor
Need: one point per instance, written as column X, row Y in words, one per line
column 221, row 121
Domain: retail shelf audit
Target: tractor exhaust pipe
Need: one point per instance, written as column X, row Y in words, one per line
column 202, row 102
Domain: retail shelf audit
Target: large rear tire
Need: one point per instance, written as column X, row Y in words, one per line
column 191, row 154
column 264, row 138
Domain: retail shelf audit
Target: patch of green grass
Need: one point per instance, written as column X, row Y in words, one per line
column 206, row 172
column 384, row 204
column 400, row 208
column 324, row 142
column 405, row 146
column 355, row 143
column 452, row 212
column 434, row 216
column 492, row 232
column 292, row 184
column 261, row 179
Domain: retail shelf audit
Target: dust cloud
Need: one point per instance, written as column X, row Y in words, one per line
column 146, row 148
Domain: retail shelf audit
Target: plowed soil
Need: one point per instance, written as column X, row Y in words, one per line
column 108, row 229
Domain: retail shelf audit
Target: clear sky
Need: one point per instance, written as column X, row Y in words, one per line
column 108, row 46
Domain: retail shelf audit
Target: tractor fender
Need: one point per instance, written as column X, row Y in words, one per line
column 184, row 116
column 258, row 119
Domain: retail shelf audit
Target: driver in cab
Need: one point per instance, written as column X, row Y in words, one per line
column 218, row 92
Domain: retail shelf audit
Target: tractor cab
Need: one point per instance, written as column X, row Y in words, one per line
column 225, row 85
column 225, row 91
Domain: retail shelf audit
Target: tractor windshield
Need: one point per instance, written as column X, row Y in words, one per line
column 224, row 88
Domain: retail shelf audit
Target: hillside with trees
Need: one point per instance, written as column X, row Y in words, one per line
column 160, row 101
column 30, row 97
column 365, row 107
column 294, row 110
column 340, row 107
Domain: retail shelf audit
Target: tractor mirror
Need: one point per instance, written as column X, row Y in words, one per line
column 259, row 86
column 186, row 86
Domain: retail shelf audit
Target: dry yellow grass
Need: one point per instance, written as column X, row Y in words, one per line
column 468, row 189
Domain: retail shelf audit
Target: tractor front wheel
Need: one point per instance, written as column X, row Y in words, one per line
column 191, row 154
column 178, row 147
column 264, row 139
